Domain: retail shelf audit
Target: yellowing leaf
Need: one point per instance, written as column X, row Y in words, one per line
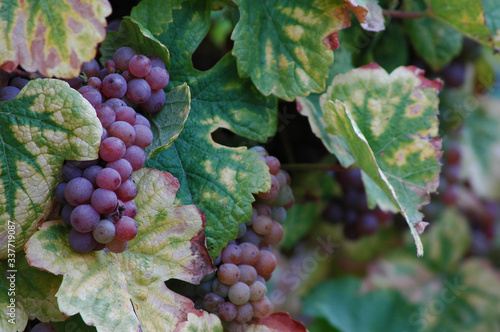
column 389, row 123
column 126, row 292
column 47, row 123
column 52, row 37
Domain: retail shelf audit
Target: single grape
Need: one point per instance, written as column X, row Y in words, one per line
column 104, row 201
column 43, row 327
column 245, row 313
column 117, row 246
column 91, row 69
column 127, row 114
column 19, row 82
column 139, row 65
column 102, row 74
column 78, row 191
column 127, row 191
column 263, row 209
column 231, row 254
column 158, row 78
column 108, row 178
column 227, row 311
column 91, row 94
column 156, row 61
column 112, row 149
column 261, row 307
column 114, row 86
column 91, row 174
column 278, row 213
column 122, row 57
column 138, row 90
column 115, row 103
column 219, row 288
column 69, row 172
column 282, row 178
column 126, row 229
column 248, row 274
column 59, row 193
column 262, row 225
column 66, row 213
column 228, row 273
column 123, row 167
column 104, row 232
column 127, row 76
column 155, row 103
column 285, row 195
column 106, row 114
column 267, row 262
column 257, row 290
column 141, row 120
column 239, row 293
column 143, row 136
column 274, row 164
column 276, row 234
column 8, row 94
column 253, row 238
column 104, row 134
column 368, row 224
column 249, row 253
column 130, row 209
column 211, row 301
column 110, row 66
column 95, row 82
column 136, row 156
column 99, row 246
column 84, row 218
column 81, row 242
column 124, row 131
column 273, row 191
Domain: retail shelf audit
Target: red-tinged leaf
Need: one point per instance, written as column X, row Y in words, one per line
column 276, row 322
column 368, row 13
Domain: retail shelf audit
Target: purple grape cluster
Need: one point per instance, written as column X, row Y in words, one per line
column 237, row 292
column 134, row 78
column 351, row 209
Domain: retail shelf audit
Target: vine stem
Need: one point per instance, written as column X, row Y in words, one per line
column 315, row 167
column 402, row 14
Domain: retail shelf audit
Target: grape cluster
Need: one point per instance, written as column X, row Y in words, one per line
column 98, row 194
column 135, row 78
column 352, row 208
column 237, row 292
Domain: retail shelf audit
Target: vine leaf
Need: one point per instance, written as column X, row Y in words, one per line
column 169, row 121
column 276, row 322
column 126, row 292
column 469, row 17
column 200, row 321
column 47, row 123
column 279, row 44
column 52, row 37
column 220, row 180
column 435, row 42
column 154, row 13
column 368, row 13
column 340, row 303
column 389, row 123
column 35, row 294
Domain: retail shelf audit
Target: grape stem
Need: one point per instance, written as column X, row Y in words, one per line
column 316, row 167
column 403, row 14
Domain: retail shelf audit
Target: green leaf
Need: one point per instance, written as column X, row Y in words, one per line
column 301, row 218
column 368, row 13
column 310, row 106
column 279, row 44
column 45, row 124
column 35, row 292
column 468, row 17
column 390, row 48
column 126, row 292
column 52, row 37
column 155, row 13
column 480, row 139
column 169, row 121
column 389, row 123
column 74, row 323
column 340, row 303
column 218, row 179
column 492, row 16
column 435, row 42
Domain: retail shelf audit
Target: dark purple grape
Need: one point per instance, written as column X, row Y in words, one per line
column 155, row 103
column 81, row 242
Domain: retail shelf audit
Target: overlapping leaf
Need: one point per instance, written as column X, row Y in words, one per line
column 155, row 13
column 52, row 37
column 47, row 123
column 368, row 13
column 434, row 41
column 35, row 293
column 126, row 292
column 279, row 44
column 218, row 179
column 276, row 322
column 168, row 123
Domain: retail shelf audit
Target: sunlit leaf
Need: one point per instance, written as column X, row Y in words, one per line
column 368, row 13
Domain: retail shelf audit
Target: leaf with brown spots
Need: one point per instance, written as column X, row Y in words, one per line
column 389, row 123
column 52, row 37
column 127, row 292
column 368, row 13
column 45, row 124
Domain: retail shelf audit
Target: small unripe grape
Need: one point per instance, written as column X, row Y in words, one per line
column 239, row 293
